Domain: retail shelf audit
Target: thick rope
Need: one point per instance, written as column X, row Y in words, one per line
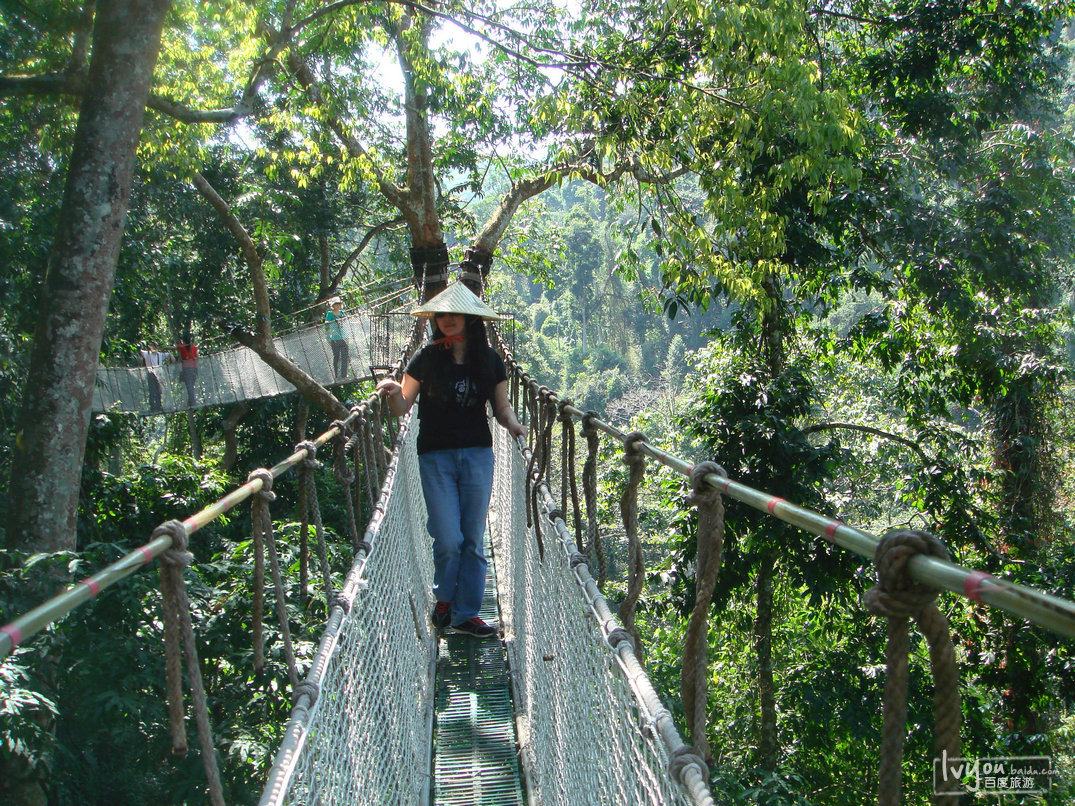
column 173, row 649
column 534, row 418
column 369, row 464
column 710, row 542
column 304, row 535
column 307, row 470
column 535, row 470
column 636, row 463
column 257, row 615
column 593, row 547
column 346, row 477
column 263, row 522
column 178, row 626
column 544, row 452
column 514, row 384
column 379, row 452
column 354, row 448
column 898, row 598
column 568, row 476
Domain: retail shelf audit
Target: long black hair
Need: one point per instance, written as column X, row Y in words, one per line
column 477, row 359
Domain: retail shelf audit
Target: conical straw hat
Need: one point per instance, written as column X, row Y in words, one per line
column 457, row 298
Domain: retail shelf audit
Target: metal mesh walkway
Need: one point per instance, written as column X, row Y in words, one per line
column 476, row 756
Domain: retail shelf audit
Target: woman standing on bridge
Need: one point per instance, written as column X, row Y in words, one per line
column 336, row 338
column 454, row 377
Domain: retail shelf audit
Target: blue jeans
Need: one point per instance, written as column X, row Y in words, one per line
column 457, row 484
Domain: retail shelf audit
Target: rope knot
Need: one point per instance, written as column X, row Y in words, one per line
column 343, row 428
column 177, row 556
column 588, row 426
column 340, row 468
column 561, row 409
column 896, row 595
column 264, row 475
column 310, row 460
column 578, row 558
column 619, row 636
column 307, row 687
column 682, row 757
column 702, row 492
column 632, row 448
column 342, row 601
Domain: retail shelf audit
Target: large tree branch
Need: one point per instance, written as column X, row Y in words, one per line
column 309, row 82
column 421, row 183
column 261, row 342
column 66, row 83
column 371, row 233
column 866, row 429
column 497, row 224
column 251, row 256
column 72, row 82
column 83, row 38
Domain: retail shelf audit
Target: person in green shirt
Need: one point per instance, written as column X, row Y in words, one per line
column 340, row 351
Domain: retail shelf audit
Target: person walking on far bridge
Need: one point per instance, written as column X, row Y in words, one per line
column 453, row 378
column 334, row 326
column 188, row 373
column 153, row 360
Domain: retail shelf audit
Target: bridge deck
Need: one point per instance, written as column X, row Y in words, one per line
column 475, row 753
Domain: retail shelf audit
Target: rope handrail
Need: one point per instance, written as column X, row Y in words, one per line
column 33, row 621
column 305, row 696
column 1052, row 612
column 685, row 763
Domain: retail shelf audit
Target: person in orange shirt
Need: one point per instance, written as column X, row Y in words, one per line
column 188, row 373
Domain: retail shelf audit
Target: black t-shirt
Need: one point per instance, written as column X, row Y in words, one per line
column 452, row 413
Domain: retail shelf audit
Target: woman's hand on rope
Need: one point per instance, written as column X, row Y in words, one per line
column 506, row 417
column 400, row 396
column 387, row 387
column 505, row 413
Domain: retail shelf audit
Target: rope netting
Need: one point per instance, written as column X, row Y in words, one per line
column 592, row 729
column 373, row 340
column 361, row 726
column 913, row 569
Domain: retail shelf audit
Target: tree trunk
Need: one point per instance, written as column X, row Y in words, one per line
column 772, row 351
column 1020, row 454
column 195, row 436
column 763, row 646
column 231, row 443
column 302, row 416
column 74, row 300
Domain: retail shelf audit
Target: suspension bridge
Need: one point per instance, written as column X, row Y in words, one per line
column 561, row 710
column 236, row 374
